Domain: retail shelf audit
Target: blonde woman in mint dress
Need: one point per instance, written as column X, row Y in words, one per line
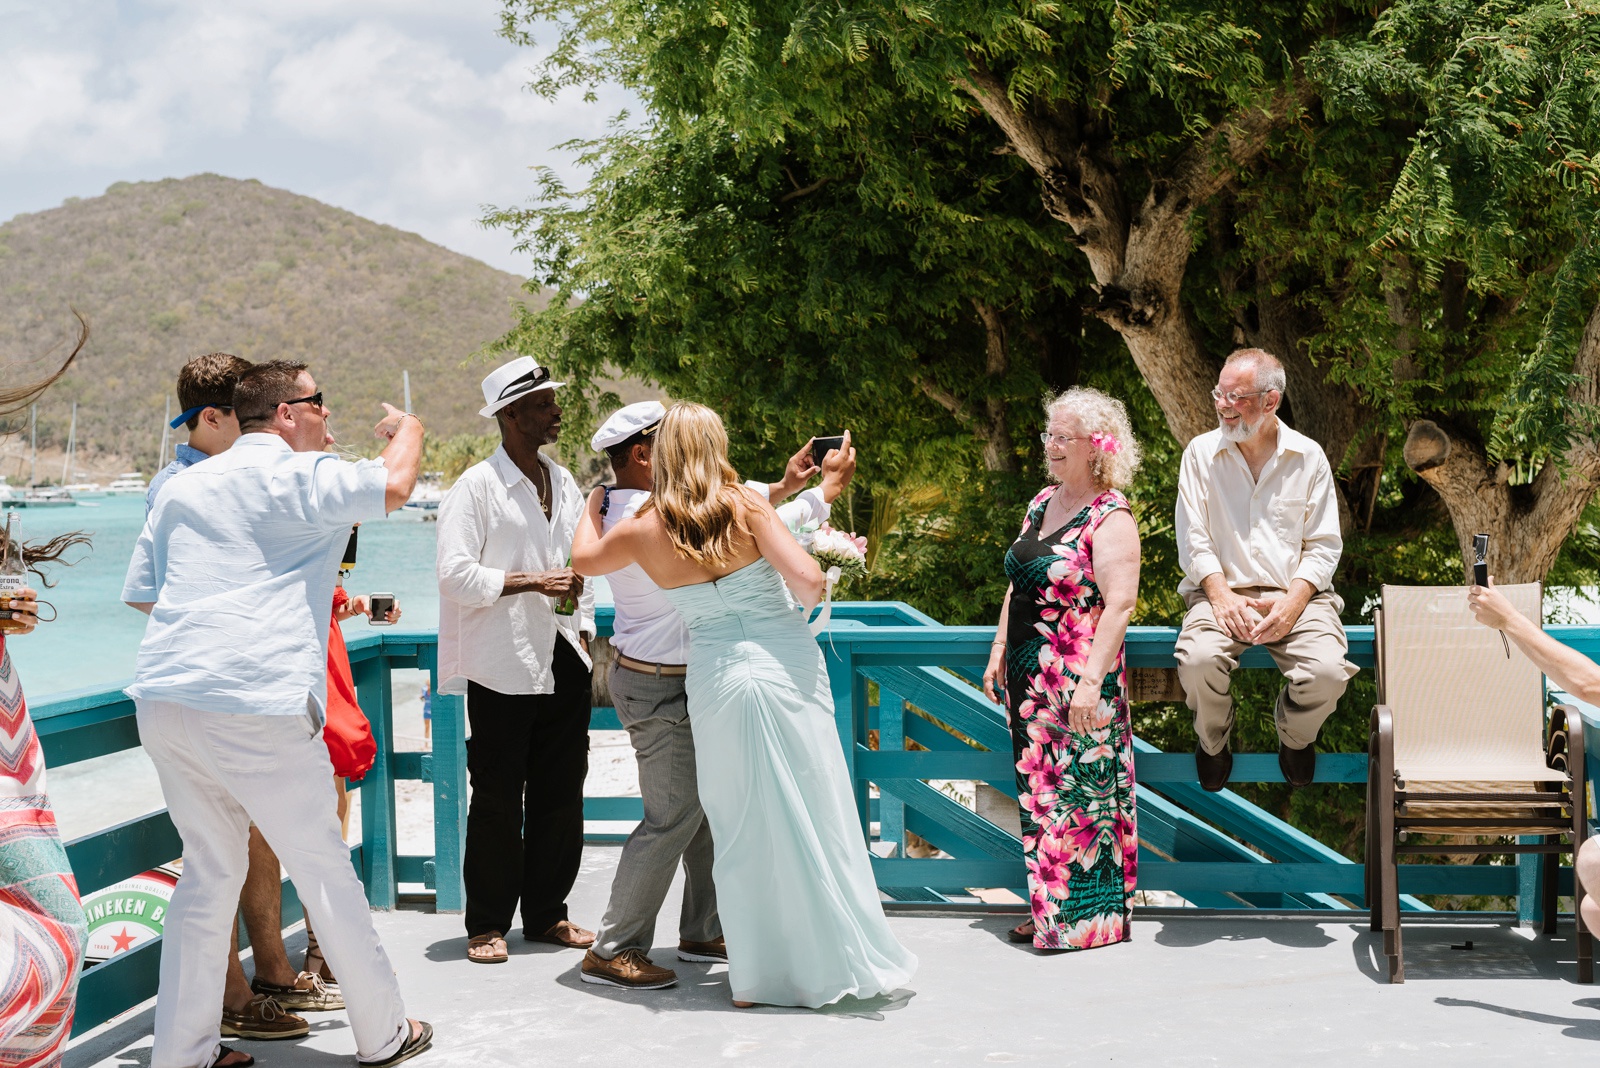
column 1074, row 574
column 800, row 912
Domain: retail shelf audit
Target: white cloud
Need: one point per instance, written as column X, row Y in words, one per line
column 406, row 111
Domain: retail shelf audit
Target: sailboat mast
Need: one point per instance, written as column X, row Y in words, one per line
column 166, row 428
column 72, row 445
column 405, row 380
column 33, row 444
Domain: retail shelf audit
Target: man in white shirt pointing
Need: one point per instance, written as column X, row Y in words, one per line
column 1258, row 541
column 236, row 567
column 514, row 621
column 647, row 686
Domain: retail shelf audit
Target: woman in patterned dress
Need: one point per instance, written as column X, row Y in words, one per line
column 42, row 928
column 1074, row 574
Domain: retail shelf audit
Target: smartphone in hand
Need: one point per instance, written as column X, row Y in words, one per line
column 379, row 605
column 820, row 447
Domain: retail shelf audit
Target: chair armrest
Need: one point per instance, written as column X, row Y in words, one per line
column 1381, row 746
column 1571, row 722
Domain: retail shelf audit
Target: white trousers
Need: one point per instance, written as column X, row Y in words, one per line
column 220, row 771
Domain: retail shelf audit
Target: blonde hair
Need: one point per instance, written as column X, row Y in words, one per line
column 697, row 491
column 1101, row 414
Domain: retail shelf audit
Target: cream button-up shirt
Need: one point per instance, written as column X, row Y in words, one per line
column 1257, row 532
column 492, row 522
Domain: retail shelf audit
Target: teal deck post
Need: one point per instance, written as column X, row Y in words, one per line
column 891, row 739
column 849, row 691
column 1530, row 868
column 449, row 797
column 378, row 835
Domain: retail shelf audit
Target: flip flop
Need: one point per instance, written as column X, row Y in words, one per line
column 227, row 1051
column 412, row 1046
column 487, row 940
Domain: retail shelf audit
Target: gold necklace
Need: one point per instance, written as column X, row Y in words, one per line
column 1079, row 502
column 544, row 491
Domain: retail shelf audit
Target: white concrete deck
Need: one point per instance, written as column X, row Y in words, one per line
column 1190, row 990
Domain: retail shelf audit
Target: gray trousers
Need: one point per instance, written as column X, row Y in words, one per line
column 1311, row 657
column 656, row 715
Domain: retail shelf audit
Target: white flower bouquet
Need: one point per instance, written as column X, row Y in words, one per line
column 833, row 548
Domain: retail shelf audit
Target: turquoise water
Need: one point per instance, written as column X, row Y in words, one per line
column 95, row 640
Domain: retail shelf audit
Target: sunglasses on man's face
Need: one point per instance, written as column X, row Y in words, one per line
column 315, row 400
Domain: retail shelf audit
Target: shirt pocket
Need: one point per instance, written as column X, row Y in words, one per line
column 1289, row 516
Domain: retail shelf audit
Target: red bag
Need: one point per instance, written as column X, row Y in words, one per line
column 351, row 746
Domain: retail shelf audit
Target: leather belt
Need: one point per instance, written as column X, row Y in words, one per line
column 644, row 667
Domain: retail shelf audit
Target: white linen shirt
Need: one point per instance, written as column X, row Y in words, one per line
column 491, row 522
column 1257, row 532
column 239, row 558
column 646, row 627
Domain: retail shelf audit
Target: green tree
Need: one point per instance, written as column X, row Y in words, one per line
column 924, row 302
column 1400, row 205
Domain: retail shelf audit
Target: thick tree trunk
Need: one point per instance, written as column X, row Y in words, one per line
column 1137, row 254
column 991, row 423
column 1526, row 524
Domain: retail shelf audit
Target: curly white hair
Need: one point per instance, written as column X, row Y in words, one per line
column 1100, row 414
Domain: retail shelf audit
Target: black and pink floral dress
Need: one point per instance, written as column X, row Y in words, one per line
column 1075, row 789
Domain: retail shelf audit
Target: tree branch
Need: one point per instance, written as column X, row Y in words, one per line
column 1528, row 524
column 800, row 190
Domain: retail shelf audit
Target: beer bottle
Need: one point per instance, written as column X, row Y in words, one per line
column 13, row 574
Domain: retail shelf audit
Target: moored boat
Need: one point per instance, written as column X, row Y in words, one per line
column 127, row 484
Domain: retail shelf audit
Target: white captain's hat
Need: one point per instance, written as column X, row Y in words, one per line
column 514, row 380
column 625, row 422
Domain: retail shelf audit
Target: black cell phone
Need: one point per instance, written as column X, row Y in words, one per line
column 1480, row 566
column 380, row 604
column 820, row 447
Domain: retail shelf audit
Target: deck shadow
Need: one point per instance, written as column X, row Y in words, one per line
column 1439, row 953
column 704, row 988
column 1177, row 933
column 1586, row 1029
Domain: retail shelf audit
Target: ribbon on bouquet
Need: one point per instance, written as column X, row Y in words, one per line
column 820, row 624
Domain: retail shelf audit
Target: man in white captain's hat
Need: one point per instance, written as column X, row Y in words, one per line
column 647, row 688
column 514, row 624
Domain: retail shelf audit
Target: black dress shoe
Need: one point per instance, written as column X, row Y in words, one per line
column 1213, row 769
column 1299, row 766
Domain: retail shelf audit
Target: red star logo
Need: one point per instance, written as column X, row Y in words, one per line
column 121, row 942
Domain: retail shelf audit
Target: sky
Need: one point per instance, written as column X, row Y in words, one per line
column 408, row 112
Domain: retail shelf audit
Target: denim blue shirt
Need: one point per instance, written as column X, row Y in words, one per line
column 239, row 559
column 184, row 457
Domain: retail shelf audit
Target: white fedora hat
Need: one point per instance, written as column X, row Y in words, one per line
column 510, row 381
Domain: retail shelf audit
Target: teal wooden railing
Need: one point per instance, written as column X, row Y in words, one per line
column 895, row 674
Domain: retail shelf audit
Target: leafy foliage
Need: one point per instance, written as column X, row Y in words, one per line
column 813, row 223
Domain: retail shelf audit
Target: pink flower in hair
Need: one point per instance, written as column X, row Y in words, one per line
column 1106, row 443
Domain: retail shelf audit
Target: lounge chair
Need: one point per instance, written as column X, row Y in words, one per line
column 1460, row 746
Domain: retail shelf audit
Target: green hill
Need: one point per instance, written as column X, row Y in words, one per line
column 167, row 270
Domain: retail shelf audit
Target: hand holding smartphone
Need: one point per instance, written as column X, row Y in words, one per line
column 379, row 606
column 820, row 447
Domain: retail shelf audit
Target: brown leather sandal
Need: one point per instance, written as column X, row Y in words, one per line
column 316, row 963
column 489, row 940
column 1021, row 933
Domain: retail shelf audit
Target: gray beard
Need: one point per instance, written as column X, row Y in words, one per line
column 1241, row 433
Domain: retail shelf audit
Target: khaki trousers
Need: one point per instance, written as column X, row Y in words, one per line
column 1311, row 657
column 655, row 712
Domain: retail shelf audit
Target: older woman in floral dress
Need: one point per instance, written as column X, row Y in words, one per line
column 1057, row 653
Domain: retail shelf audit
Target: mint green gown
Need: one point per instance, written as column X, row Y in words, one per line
column 795, row 891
